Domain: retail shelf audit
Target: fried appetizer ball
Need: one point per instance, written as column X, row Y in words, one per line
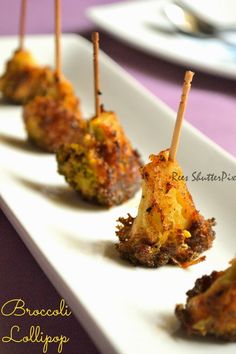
column 211, row 306
column 104, row 168
column 168, row 228
column 20, row 82
column 54, row 119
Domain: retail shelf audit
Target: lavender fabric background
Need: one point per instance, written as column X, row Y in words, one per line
column 213, row 111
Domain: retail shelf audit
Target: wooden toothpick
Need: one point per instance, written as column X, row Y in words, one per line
column 95, row 40
column 180, row 115
column 58, row 37
column 22, row 24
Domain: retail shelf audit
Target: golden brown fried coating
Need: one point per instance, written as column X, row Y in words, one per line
column 23, row 78
column 103, row 168
column 54, row 119
column 168, row 228
column 211, row 306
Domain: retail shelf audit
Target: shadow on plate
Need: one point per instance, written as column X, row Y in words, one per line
column 103, row 248
column 155, row 27
column 20, row 144
column 61, row 195
column 6, row 103
column 167, row 322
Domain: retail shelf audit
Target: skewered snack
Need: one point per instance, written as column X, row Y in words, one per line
column 211, row 306
column 54, row 118
column 103, row 167
column 15, row 84
column 168, row 229
column 19, row 83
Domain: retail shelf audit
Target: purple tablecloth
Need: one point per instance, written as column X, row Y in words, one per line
column 213, row 111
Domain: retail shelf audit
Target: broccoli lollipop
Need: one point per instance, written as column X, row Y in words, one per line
column 211, row 305
column 103, row 167
column 168, row 228
column 54, row 118
column 20, row 82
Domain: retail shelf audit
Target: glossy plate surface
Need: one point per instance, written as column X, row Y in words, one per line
column 126, row 309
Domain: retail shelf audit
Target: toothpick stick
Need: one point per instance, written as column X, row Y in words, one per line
column 22, row 24
column 58, row 37
column 180, row 115
column 95, row 39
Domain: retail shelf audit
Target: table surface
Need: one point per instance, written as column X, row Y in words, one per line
column 213, row 110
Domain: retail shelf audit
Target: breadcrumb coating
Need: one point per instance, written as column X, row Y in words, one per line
column 103, row 168
column 54, row 119
column 168, row 229
column 211, row 306
column 23, row 78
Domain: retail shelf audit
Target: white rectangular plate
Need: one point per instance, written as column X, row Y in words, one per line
column 125, row 309
column 142, row 24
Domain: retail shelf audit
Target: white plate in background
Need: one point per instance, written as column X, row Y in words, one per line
column 141, row 24
column 125, row 309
